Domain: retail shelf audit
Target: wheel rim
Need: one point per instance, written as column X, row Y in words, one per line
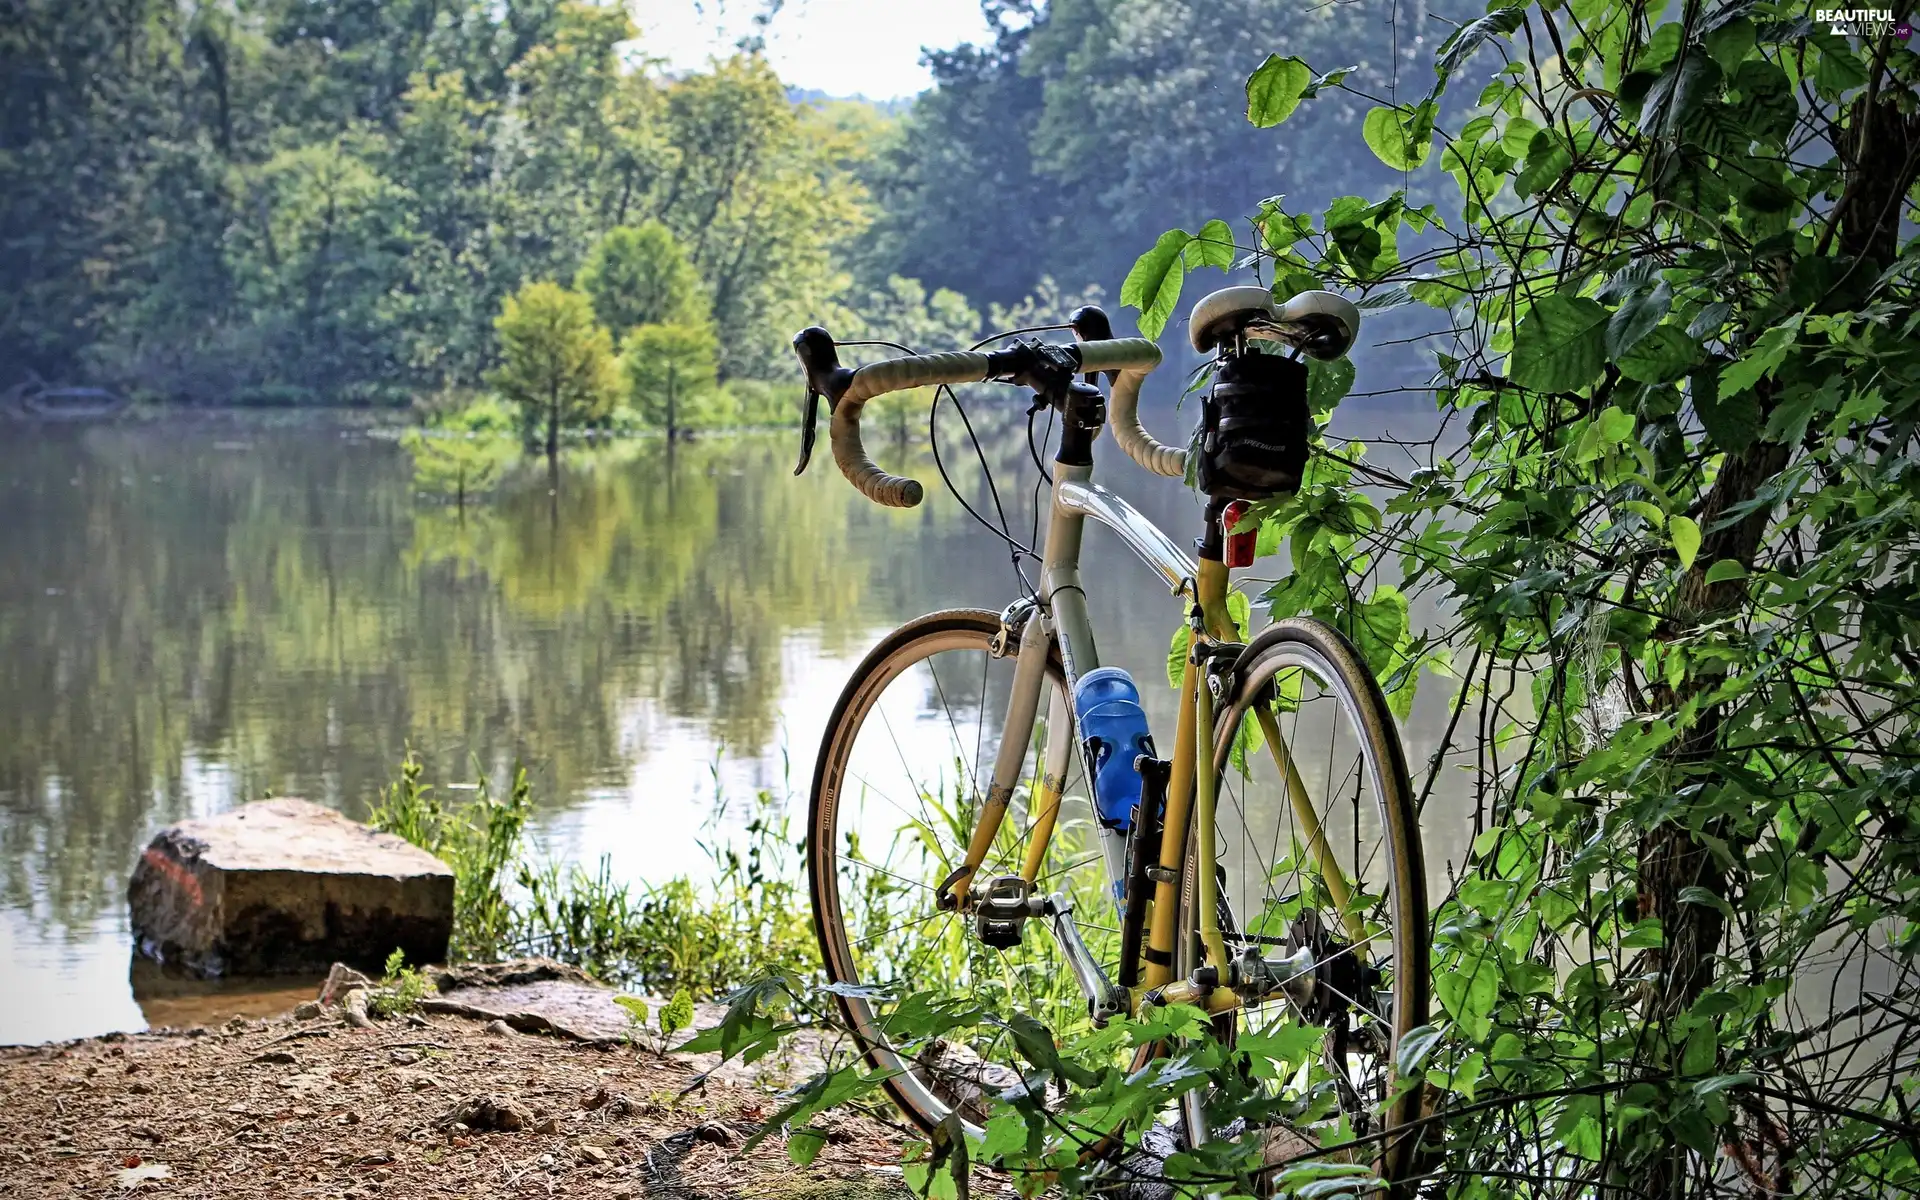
column 1275, row 878
column 904, row 773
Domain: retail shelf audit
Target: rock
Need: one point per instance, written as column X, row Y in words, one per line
column 714, row 1133
column 594, row 1154
column 548, row 1125
column 277, row 1057
column 285, row 885
column 340, row 980
column 306, row 1010
column 499, row 1028
column 488, row 1113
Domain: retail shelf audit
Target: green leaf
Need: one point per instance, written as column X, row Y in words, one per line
column 1330, row 79
column 1290, row 1045
column 1469, row 991
column 1212, row 247
column 1839, row 69
column 1153, row 285
column 678, row 1014
column 1462, row 1078
column 1637, row 316
column 1177, row 654
column 1415, row 1048
column 1701, row 1052
column 1275, row 89
column 1721, row 571
column 1518, row 136
column 1729, row 43
column 1681, row 91
column 1647, row 934
column 1700, row 895
column 1762, row 359
column 1608, row 428
column 1327, row 384
column 1662, row 355
column 1730, row 421
column 1560, row 345
column 1455, row 51
column 1240, row 610
column 804, row 1145
column 1400, row 137
column 1649, row 512
column 1686, row 538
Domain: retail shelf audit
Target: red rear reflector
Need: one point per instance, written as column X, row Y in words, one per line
column 1239, row 545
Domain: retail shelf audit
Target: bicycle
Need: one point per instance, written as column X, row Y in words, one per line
column 1256, row 881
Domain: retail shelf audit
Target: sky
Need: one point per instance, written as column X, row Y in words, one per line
column 842, row 47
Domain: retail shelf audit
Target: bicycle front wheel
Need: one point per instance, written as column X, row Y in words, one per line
column 898, row 788
column 1319, row 865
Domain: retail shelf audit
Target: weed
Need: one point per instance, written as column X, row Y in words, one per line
column 480, row 842
column 402, row 988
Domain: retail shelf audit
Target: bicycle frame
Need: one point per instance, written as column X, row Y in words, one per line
column 1061, row 618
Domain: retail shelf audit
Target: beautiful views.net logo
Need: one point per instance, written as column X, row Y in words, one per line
column 1863, row 22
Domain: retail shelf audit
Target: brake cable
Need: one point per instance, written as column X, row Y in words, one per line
column 933, row 440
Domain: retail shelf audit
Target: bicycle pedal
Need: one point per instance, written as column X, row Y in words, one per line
column 1000, row 911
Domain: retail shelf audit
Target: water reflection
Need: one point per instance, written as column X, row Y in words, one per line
column 195, row 613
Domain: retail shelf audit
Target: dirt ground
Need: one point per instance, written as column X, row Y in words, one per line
column 289, row 1108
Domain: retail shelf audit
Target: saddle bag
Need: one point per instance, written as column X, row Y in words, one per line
column 1254, row 426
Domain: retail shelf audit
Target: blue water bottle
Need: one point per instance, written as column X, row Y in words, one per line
column 1113, row 727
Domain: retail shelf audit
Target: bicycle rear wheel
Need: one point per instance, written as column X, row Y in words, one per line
column 897, row 790
column 1318, row 848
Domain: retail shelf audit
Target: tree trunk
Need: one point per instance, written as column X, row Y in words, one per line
column 672, row 429
column 553, row 431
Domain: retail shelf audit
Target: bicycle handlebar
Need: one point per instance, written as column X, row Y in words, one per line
column 848, row 391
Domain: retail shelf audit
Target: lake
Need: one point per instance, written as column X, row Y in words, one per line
column 200, row 610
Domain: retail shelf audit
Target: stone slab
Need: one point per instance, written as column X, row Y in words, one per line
column 284, row 886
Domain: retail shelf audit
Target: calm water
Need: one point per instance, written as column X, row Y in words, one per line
column 196, row 612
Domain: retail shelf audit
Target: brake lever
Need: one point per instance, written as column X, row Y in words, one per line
column 807, row 430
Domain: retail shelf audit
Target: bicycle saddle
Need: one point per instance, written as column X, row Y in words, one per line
column 1319, row 323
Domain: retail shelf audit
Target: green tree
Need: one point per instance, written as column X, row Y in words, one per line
column 641, row 275
column 556, row 362
column 670, row 376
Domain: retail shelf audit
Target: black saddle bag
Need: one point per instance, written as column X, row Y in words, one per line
column 1254, row 427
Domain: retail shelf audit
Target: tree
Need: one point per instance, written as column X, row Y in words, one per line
column 556, row 361
column 670, row 375
column 641, row 275
column 1670, row 514
column 1087, row 126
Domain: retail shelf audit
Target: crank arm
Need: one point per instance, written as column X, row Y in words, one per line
column 1104, row 1001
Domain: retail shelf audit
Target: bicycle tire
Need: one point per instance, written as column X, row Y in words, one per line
column 1320, row 648
column 912, row 1095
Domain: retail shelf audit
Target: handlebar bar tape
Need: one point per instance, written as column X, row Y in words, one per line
column 1123, row 407
column 1134, row 357
column 877, row 379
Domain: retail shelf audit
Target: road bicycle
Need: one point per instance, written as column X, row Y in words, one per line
column 1268, row 872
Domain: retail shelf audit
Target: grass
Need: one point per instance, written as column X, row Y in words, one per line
column 705, row 938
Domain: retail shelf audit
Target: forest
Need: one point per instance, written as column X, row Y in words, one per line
column 289, row 202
